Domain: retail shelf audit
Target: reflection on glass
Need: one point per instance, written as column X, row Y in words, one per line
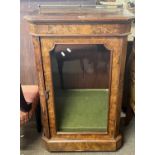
column 81, row 87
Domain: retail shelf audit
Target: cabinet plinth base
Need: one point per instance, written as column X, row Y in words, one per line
column 82, row 145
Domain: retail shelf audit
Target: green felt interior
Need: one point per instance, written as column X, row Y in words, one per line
column 81, row 110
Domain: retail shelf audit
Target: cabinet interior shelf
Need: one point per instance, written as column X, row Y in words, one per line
column 81, row 110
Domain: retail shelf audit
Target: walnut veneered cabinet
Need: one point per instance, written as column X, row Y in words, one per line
column 80, row 57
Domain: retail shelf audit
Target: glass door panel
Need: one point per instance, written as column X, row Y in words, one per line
column 81, row 87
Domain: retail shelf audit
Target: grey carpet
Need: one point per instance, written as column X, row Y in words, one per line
column 30, row 143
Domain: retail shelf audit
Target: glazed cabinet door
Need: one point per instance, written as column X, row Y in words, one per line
column 82, row 79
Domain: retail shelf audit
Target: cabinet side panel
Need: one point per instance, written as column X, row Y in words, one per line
column 117, row 76
column 38, row 59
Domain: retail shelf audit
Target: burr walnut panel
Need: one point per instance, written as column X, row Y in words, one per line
column 79, row 29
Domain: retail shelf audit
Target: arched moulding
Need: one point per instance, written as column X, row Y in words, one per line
column 52, row 47
column 109, row 45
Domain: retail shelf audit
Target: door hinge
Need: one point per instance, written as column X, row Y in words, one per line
column 47, row 94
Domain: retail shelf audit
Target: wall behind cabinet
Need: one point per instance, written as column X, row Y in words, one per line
column 27, row 61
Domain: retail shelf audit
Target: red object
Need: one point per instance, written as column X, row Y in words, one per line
column 31, row 95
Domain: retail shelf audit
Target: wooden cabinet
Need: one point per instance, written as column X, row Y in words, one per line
column 80, row 58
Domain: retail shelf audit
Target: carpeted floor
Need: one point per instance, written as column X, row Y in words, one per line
column 31, row 142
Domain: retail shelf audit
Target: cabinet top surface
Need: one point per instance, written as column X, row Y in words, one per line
column 79, row 14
